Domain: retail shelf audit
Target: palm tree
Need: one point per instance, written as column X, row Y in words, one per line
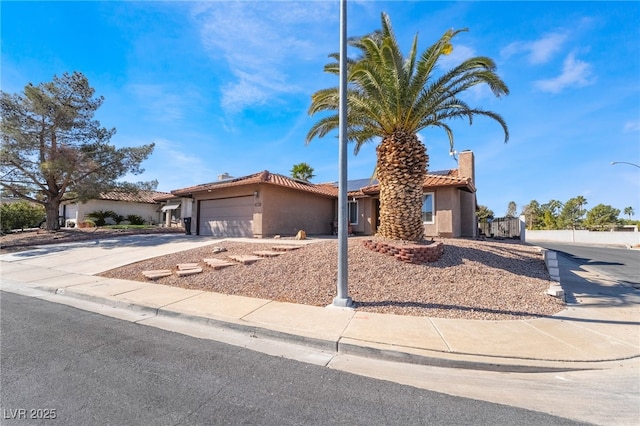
column 302, row 171
column 629, row 212
column 581, row 203
column 392, row 97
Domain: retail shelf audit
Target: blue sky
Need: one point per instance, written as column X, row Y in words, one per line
column 225, row 86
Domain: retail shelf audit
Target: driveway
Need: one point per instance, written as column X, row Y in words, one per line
column 107, row 253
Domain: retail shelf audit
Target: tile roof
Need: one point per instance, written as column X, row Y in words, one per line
column 164, row 196
column 133, row 197
column 435, row 179
column 264, row 177
column 355, row 188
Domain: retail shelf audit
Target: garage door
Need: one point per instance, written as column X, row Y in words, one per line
column 227, row 217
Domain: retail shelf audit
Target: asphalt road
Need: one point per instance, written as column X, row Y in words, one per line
column 83, row 368
column 619, row 263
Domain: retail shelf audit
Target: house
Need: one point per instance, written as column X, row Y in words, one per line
column 142, row 203
column 449, row 203
column 265, row 204
column 172, row 209
column 260, row 205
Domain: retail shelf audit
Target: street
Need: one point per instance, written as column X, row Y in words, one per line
column 619, row 263
column 84, row 368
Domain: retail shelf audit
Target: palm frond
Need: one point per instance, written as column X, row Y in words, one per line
column 389, row 92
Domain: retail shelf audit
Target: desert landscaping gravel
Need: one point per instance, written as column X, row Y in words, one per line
column 483, row 280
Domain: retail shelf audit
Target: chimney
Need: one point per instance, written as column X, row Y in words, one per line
column 225, row 176
column 466, row 165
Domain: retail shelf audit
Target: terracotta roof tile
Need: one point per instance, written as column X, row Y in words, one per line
column 434, row 179
column 437, row 179
column 264, row 177
column 164, row 196
column 133, row 197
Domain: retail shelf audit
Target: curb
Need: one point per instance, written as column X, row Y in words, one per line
column 551, row 262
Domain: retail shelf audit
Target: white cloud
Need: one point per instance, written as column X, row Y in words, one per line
column 186, row 168
column 460, row 53
column 257, row 41
column 632, row 126
column 575, row 73
column 539, row 51
column 158, row 101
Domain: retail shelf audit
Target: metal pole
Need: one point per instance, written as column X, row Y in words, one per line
column 342, row 298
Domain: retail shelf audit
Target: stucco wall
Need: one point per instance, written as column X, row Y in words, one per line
column 468, row 225
column 285, row 212
column 147, row 211
column 584, row 237
column 445, row 201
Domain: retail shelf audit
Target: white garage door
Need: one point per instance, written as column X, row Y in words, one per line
column 227, row 217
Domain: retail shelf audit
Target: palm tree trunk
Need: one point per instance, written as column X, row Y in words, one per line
column 401, row 169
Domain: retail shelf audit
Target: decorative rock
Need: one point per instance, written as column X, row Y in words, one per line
column 157, row 273
column 301, row 235
column 191, row 271
column 267, row 253
column 187, row 266
column 244, row 258
column 218, row 250
column 218, row 263
column 284, row 248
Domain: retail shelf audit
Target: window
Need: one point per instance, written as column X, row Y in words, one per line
column 353, row 212
column 427, row 208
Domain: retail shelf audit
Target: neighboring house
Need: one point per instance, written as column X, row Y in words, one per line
column 142, row 203
column 173, row 209
column 266, row 204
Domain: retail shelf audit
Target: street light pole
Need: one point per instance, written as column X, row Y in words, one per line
column 624, row 162
column 342, row 299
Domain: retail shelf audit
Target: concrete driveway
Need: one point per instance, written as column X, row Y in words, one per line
column 96, row 256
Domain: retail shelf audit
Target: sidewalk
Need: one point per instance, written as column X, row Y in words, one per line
column 601, row 321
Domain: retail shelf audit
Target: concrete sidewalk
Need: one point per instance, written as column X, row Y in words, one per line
column 601, row 321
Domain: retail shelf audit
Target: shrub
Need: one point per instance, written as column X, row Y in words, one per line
column 135, row 219
column 21, row 215
column 100, row 217
column 118, row 218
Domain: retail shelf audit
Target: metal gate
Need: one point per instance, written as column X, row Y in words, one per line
column 501, row 227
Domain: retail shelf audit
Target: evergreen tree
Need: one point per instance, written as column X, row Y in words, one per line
column 54, row 150
column 602, row 216
column 572, row 213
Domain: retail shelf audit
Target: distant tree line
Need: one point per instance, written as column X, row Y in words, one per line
column 573, row 215
column 569, row 215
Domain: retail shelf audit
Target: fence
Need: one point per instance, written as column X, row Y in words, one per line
column 501, row 227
